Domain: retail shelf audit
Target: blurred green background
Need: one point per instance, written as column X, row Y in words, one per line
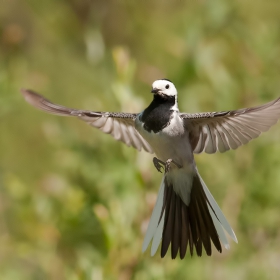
column 74, row 203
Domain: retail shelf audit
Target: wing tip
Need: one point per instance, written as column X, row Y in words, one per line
column 30, row 96
column 28, row 92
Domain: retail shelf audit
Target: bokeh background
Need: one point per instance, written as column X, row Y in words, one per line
column 74, row 203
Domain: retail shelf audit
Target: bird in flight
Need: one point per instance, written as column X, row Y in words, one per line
column 185, row 214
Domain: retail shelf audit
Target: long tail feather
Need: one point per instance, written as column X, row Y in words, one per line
column 194, row 225
column 220, row 216
column 154, row 221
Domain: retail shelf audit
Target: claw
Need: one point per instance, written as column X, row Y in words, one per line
column 168, row 164
column 158, row 164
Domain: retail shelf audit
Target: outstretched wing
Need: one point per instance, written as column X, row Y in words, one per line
column 221, row 131
column 119, row 125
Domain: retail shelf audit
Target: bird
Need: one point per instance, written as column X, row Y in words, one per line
column 186, row 216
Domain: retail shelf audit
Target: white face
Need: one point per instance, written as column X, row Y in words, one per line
column 164, row 87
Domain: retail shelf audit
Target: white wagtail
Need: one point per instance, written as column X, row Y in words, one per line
column 185, row 213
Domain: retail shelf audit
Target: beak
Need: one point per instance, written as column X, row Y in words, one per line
column 155, row 90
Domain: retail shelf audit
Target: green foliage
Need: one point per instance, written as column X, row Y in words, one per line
column 74, row 203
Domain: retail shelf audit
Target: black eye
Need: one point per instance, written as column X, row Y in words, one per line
column 167, row 86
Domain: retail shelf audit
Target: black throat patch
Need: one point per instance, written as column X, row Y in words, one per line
column 158, row 115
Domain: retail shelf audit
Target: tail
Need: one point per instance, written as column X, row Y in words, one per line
column 194, row 225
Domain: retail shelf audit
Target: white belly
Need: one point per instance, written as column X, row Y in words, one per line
column 170, row 143
column 173, row 143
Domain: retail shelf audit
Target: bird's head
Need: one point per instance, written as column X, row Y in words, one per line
column 164, row 88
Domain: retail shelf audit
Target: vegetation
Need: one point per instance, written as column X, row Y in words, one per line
column 74, row 203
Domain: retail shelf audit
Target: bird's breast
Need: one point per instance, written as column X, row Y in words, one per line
column 172, row 142
column 156, row 118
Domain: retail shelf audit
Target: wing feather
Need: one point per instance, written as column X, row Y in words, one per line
column 108, row 126
column 135, row 141
column 119, row 125
column 221, row 131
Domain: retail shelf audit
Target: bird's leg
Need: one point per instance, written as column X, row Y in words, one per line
column 168, row 163
column 159, row 164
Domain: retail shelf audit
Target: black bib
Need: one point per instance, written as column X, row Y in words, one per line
column 158, row 115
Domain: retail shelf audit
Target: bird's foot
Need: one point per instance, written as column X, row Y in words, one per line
column 159, row 164
column 168, row 165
